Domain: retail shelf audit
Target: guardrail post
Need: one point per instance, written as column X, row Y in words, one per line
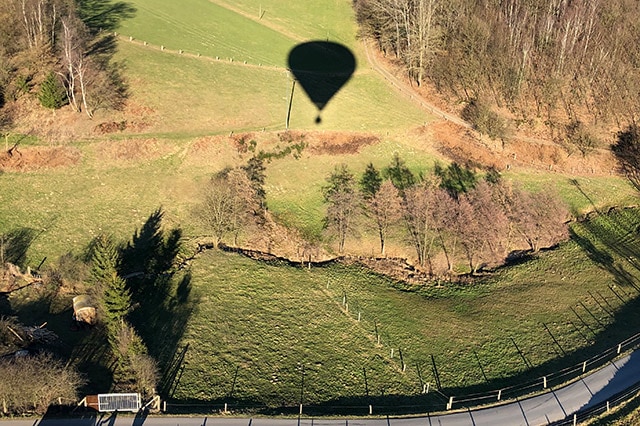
column 225, row 408
column 575, row 420
column 619, row 348
column 370, row 409
column 544, row 382
column 584, row 366
column 499, row 394
column 608, row 407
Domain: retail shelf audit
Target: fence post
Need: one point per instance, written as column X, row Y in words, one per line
column 450, row 404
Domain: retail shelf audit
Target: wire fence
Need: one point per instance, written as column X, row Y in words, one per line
column 434, row 401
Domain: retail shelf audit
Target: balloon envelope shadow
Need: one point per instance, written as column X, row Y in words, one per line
column 321, row 68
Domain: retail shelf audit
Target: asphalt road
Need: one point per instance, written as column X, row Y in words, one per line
column 543, row 409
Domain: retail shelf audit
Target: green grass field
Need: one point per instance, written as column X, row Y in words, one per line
column 257, row 325
column 240, row 81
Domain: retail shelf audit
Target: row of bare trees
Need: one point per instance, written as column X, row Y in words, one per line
column 557, row 59
column 451, row 213
column 69, row 39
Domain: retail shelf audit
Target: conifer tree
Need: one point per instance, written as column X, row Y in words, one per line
column 115, row 298
column 370, row 182
column 52, row 94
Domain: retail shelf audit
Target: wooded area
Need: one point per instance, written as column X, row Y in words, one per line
column 61, row 50
column 568, row 64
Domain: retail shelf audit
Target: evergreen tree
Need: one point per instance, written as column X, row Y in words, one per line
column 371, row 182
column 113, row 294
column 255, row 171
column 399, row 174
column 456, row 179
column 52, row 94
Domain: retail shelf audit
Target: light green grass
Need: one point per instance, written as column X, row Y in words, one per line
column 200, row 95
column 266, row 320
column 193, row 96
column 302, row 205
column 581, row 193
column 234, row 29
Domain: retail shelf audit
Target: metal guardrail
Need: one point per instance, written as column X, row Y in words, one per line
column 448, row 402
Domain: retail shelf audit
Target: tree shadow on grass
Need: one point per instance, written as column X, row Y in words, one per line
column 104, row 15
column 161, row 294
column 15, row 244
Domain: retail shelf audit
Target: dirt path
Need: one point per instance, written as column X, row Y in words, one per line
column 409, row 91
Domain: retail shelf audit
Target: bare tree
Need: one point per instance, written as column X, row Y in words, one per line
column 482, row 224
column 418, row 205
column 627, row 153
column 21, row 393
column 75, row 62
column 229, row 204
column 343, row 204
column 540, row 218
column 384, row 210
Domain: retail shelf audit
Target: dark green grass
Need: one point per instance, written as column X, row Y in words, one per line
column 267, row 321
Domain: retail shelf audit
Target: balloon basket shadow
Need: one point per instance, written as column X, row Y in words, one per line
column 318, row 119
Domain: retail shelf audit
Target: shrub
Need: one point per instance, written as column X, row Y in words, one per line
column 484, row 119
column 578, row 135
column 21, row 394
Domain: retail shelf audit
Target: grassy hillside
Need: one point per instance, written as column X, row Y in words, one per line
column 257, row 325
column 248, row 86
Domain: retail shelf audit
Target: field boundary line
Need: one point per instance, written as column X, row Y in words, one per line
column 217, row 60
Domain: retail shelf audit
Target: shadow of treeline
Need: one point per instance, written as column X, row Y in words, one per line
column 160, row 293
column 612, row 242
column 104, row 15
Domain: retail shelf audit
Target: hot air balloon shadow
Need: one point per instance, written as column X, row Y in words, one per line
column 321, row 68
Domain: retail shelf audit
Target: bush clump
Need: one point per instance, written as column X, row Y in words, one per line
column 484, row 119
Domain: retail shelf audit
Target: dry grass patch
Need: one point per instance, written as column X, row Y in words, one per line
column 462, row 145
column 131, row 150
column 38, row 158
column 340, row 143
